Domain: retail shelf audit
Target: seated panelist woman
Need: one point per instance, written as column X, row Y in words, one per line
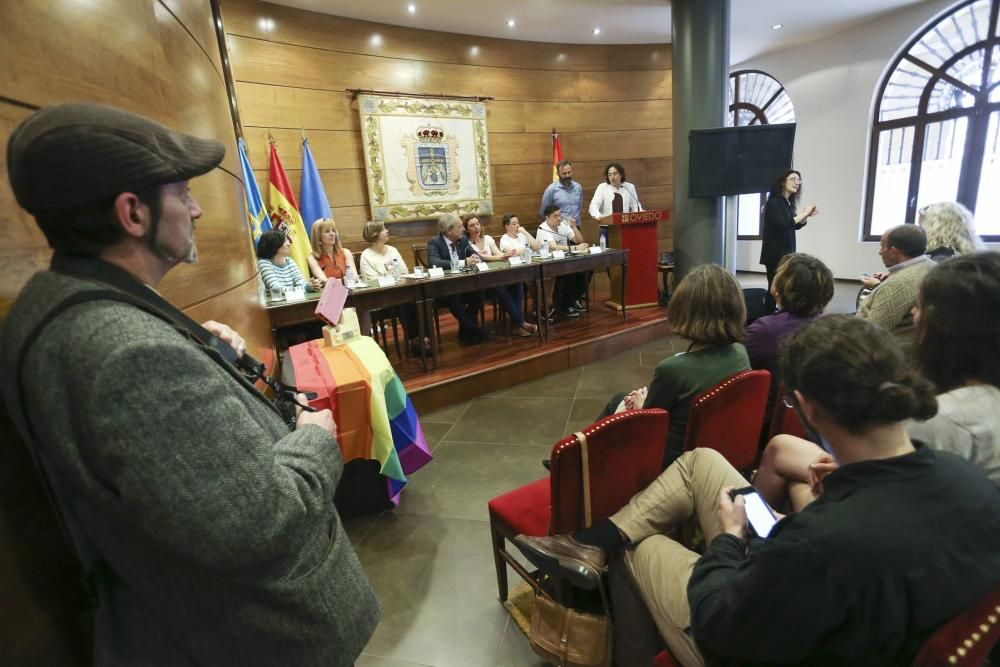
column 379, row 259
column 328, row 259
column 277, row 269
column 510, row 297
column 614, row 195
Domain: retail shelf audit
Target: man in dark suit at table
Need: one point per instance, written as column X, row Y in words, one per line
column 448, row 250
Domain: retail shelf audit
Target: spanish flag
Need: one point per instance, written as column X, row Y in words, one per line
column 284, row 212
column 557, row 155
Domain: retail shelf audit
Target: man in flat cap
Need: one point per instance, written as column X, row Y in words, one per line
column 206, row 526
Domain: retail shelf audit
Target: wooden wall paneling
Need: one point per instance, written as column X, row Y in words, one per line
column 507, row 83
column 641, row 57
column 612, row 86
column 344, row 187
column 25, row 248
column 258, row 61
column 330, row 149
column 264, row 105
column 192, row 15
column 615, row 145
column 522, row 148
column 318, row 30
column 595, row 116
column 506, row 116
column 37, row 31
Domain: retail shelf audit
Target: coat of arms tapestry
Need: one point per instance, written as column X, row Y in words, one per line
column 424, row 157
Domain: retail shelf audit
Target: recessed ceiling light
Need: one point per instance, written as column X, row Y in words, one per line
column 777, row 26
column 412, row 8
column 510, row 23
column 376, row 40
column 597, row 31
column 474, row 50
column 265, row 24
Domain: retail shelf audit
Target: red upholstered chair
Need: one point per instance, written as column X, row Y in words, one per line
column 965, row 639
column 729, row 416
column 625, row 451
column 665, row 659
column 784, row 419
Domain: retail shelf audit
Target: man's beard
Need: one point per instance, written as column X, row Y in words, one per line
column 566, row 181
column 190, row 256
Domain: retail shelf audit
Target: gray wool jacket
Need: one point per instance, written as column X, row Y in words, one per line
column 216, row 522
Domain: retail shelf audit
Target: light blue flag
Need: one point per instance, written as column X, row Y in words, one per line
column 313, row 203
column 256, row 213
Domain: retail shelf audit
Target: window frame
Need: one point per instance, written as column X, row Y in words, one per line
column 977, row 115
column 760, row 118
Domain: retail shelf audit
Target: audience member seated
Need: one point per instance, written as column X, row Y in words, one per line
column 902, row 251
column 707, row 308
column 854, row 578
column 329, row 259
column 448, row 250
column 559, row 234
column 277, row 269
column 951, row 230
column 510, row 297
column 380, row 259
column 958, row 349
column 801, row 288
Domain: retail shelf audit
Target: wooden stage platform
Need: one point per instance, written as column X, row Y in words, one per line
column 467, row 371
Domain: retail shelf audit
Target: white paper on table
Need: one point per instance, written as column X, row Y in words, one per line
column 558, row 254
column 514, row 260
column 595, row 250
column 436, row 272
column 386, row 281
column 482, row 266
column 296, row 294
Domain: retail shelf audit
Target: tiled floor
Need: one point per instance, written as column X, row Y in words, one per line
column 430, row 559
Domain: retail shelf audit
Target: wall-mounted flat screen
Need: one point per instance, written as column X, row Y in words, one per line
column 738, row 160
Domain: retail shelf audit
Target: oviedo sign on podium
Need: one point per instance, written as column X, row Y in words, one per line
column 637, row 232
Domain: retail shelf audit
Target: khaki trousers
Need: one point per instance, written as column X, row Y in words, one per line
column 688, row 489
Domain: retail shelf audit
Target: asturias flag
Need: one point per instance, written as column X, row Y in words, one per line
column 314, row 204
column 557, row 155
column 256, row 213
column 284, row 212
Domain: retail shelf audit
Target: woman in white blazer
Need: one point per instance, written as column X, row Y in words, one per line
column 614, row 188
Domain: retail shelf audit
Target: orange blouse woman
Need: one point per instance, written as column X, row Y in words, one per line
column 328, row 259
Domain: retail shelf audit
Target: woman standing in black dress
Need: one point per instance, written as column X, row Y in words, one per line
column 781, row 221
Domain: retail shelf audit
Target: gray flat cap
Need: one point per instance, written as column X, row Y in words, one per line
column 75, row 156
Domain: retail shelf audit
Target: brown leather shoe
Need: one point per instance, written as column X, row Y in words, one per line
column 561, row 555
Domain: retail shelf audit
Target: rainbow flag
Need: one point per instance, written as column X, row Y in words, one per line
column 375, row 418
column 284, row 212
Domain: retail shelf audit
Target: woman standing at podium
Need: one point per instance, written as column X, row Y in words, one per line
column 781, row 221
column 615, row 195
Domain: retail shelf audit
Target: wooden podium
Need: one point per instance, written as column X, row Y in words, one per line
column 637, row 232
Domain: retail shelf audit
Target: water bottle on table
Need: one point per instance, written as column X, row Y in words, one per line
column 397, row 270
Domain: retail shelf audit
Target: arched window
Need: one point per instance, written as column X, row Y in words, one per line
column 934, row 136
column 755, row 98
